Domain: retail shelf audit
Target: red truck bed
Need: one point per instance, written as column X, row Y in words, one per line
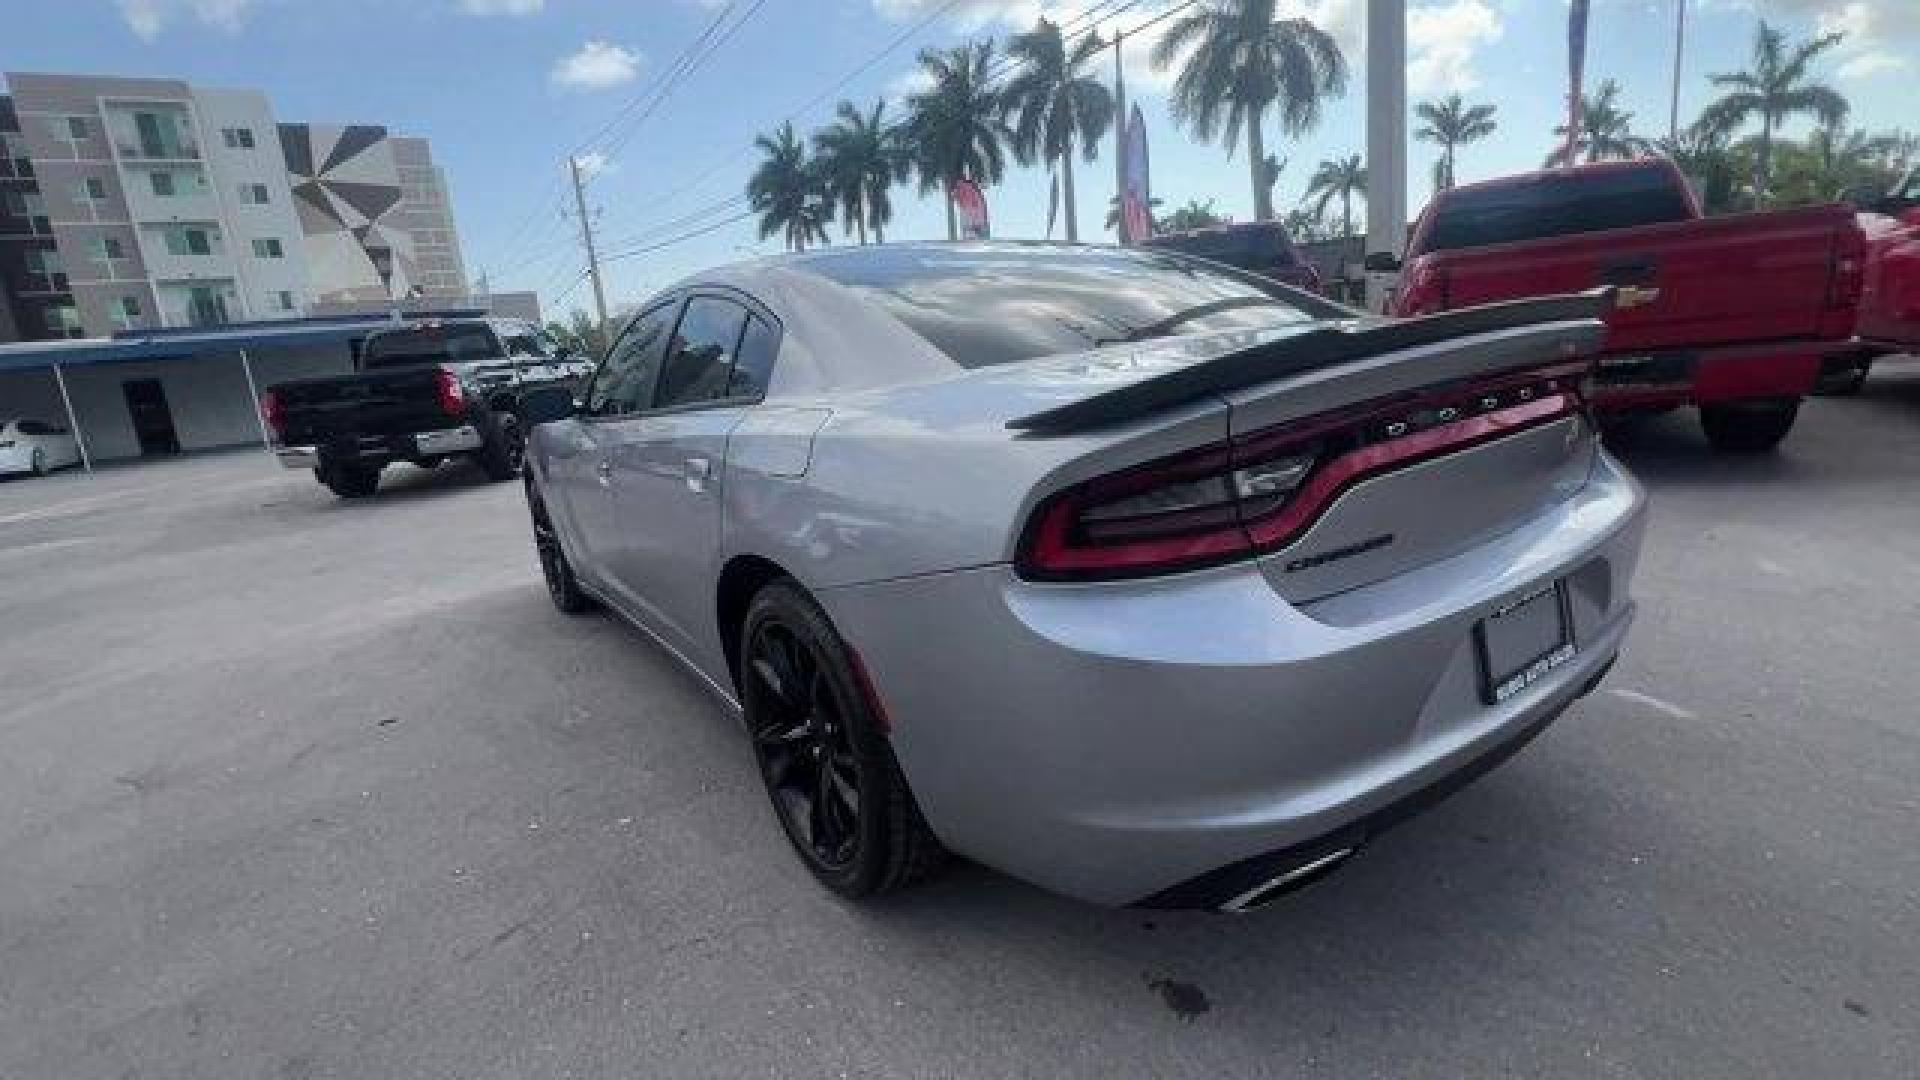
column 1734, row 314
column 1890, row 299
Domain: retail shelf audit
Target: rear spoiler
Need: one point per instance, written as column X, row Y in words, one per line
column 1324, row 347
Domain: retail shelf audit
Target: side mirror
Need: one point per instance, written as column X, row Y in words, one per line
column 1381, row 262
column 546, row 404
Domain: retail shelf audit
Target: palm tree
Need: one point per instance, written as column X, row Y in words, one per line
column 787, row 191
column 1194, row 215
column 1605, row 131
column 1053, row 103
column 1244, row 61
column 1451, row 123
column 1337, row 178
column 860, row 156
column 1703, row 154
column 953, row 128
column 1775, row 88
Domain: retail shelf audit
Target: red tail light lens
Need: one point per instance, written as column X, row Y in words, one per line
column 274, row 412
column 453, row 400
column 1260, row 492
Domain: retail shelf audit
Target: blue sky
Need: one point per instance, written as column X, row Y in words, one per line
column 505, row 89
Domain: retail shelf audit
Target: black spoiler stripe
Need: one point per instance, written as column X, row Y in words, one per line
column 1324, row 347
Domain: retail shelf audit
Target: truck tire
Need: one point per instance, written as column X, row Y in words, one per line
column 351, row 481
column 505, row 449
column 1748, row 427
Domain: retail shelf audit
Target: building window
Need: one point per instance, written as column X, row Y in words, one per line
column 162, row 184
column 106, row 247
column 189, row 242
column 237, row 138
column 267, row 247
column 76, row 127
column 283, row 300
column 253, row 194
column 96, row 188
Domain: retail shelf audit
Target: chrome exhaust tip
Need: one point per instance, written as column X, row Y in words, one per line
column 1274, row 887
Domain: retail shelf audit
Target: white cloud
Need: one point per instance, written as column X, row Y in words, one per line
column 1443, row 41
column 146, row 18
column 502, row 7
column 1881, row 35
column 597, row 66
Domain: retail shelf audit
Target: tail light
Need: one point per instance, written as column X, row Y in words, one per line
column 446, row 387
column 1848, row 277
column 274, row 412
column 1260, row 492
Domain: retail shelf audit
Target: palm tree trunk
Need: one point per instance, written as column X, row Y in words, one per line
column 1449, row 166
column 1257, row 168
column 1066, row 193
column 860, row 217
column 953, row 230
column 1763, row 162
column 1346, row 212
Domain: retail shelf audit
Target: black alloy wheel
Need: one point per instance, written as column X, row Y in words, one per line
column 823, row 751
column 802, row 737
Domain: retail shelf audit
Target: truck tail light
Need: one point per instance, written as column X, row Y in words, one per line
column 446, row 386
column 1424, row 291
column 274, row 412
column 1258, row 493
column 1848, row 277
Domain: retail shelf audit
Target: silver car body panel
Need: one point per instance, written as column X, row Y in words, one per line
column 1103, row 739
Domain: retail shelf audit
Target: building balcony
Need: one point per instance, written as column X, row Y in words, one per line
column 163, row 151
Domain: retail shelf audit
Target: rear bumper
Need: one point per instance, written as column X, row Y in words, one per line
column 1120, row 743
column 1713, row 376
column 382, row 449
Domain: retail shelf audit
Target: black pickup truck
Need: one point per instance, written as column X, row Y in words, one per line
column 422, row 392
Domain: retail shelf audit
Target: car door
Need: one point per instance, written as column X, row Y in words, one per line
column 578, row 454
column 668, row 469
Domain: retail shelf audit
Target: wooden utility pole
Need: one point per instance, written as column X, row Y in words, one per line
column 593, row 259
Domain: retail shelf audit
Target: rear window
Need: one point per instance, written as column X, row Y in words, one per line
column 431, row 345
column 997, row 305
column 1555, row 205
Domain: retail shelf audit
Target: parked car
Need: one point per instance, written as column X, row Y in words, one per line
column 1890, row 292
column 421, row 392
column 1130, row 575
column 1734, row 315
column 35, row 446
column 1258, row 247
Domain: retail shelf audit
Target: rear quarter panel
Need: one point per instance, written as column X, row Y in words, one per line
column 1890, row 299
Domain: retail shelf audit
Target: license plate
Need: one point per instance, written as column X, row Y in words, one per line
column 1522, row 642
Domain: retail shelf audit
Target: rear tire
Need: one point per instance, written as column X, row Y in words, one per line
column 827, row 765
column 1748, row 427
column 351, row 481
column 504, row 451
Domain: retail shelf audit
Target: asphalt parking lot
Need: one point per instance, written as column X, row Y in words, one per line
column 295, row 788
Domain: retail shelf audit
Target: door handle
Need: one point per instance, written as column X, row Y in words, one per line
column 698, row 471
column 603, row 472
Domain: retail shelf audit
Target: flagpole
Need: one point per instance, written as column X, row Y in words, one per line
column 1679, row 54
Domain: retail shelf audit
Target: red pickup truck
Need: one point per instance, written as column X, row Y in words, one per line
column 1734, row 315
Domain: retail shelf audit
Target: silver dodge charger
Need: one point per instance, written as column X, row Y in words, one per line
column 1132, row 575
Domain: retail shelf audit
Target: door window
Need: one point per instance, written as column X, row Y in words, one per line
column 753, row 365
column 700, row 360
column 624, row 382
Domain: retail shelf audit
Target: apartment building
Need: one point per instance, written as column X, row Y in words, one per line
column 138, row 203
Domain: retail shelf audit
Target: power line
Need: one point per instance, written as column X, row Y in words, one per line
column 657, row 81
column 688, row 235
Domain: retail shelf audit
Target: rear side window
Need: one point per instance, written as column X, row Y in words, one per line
column 431, row 345
column 525, row 345
column 753, row 365
column 1555, row 204
column 624, row 382
column 35, row 427
column 700, row 360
